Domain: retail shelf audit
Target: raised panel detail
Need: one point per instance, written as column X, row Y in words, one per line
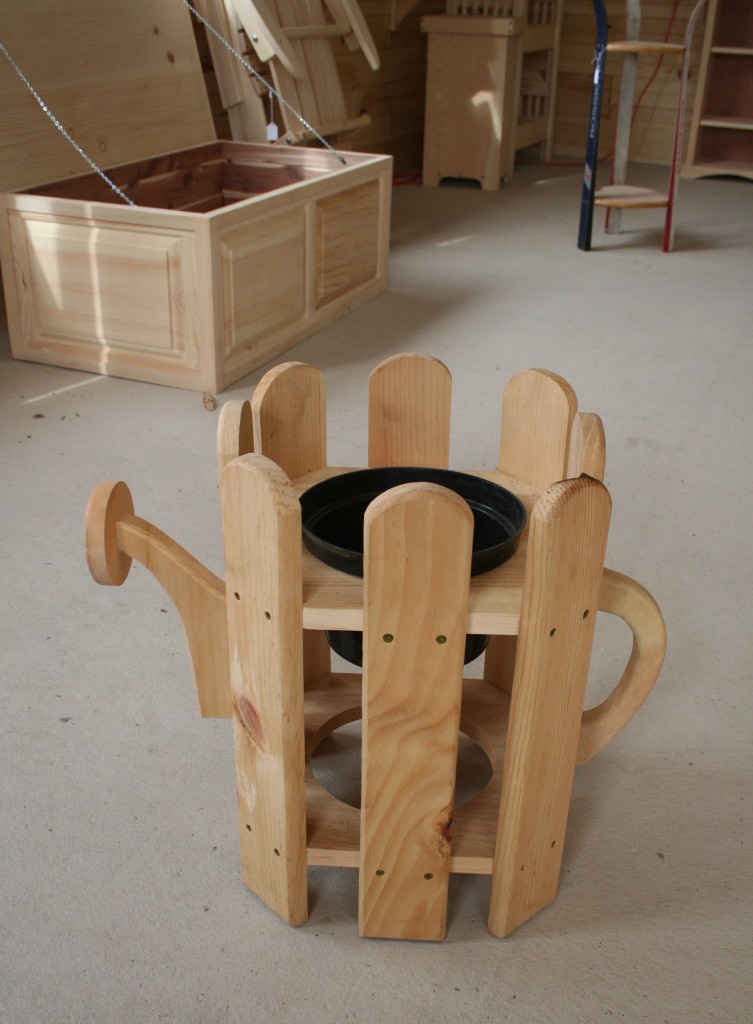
column 105, row 286
column 347, row 233
column 263, row 278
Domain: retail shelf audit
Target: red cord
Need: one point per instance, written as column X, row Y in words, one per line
column 648, row 84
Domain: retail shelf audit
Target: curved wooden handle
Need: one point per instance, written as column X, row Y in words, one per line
column 114, row 536
column 634, row 605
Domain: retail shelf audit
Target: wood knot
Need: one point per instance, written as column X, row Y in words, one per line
column 249, row 719
column 444, row 836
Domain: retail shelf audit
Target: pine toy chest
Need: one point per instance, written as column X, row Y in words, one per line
column 233, row 253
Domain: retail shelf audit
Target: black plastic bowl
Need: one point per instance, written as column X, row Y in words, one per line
column 333, row 513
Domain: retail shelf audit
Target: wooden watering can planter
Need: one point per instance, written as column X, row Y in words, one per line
column 260, row 656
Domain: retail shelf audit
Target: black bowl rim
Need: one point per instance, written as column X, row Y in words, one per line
column 484, row 559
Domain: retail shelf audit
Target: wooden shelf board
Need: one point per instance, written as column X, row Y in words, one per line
column 334, row 600
column 639, row 46
column 733, row 51
column 742, row 124
column 630, row 197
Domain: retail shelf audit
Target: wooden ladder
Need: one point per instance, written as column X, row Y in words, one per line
column 619, row 195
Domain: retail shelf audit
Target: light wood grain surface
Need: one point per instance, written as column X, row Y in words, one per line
column 414, row 641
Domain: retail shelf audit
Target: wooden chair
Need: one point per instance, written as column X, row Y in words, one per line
column 295, row 39
column 240, row 98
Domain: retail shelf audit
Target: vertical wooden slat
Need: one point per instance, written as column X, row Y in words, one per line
column 262, row 528
column 566, row 546
column 417, row 573
column 538, row 417
column 409, row 412
column 235, row 433
column 538, row 409
column 553, row 16
column 290, row 427
column 588, row 448
column 289, row 414
column 499, row 661
column 625, row 112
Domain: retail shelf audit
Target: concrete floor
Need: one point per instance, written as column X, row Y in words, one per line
column 121, row 897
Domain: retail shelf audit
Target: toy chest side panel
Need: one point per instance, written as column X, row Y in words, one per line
column 300, row 259
column 105, row 290
column 194, row 299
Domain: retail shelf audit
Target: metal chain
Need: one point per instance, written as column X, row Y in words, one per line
column 239, row 56
column 273, row 92
column 62, row 130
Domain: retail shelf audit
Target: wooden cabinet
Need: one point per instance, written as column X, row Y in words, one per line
column 490, row 87
column 721, row 135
